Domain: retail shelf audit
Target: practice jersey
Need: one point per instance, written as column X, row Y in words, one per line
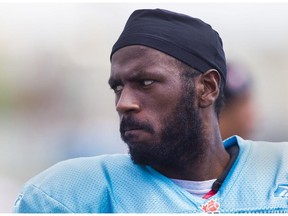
column 256, row 183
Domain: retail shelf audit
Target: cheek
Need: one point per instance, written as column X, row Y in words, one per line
column 160, row 111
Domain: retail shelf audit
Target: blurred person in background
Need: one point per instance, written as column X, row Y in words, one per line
column 238, row 116
column 168, row 71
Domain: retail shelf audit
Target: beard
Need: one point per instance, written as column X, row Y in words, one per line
column 181, row 140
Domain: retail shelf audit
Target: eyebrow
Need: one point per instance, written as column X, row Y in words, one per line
column 113, row 82
column 132, row 76
column 135, row 76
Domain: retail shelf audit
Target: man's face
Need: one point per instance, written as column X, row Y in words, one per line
column 158, row 119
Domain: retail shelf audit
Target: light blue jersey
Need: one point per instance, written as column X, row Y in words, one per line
column 257, row 182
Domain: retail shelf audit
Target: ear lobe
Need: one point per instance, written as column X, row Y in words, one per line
column 210, row 81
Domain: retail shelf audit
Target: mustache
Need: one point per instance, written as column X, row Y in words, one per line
column 130, row 123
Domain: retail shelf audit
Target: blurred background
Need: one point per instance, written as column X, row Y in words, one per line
column 55, row 102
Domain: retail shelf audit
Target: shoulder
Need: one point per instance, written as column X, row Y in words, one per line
column 274, row 148
column 81, row 170
column 267, row 149
column 263, row 155
column 72, row 185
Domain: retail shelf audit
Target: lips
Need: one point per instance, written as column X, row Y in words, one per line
column 129, row 125
column 124, row 130
column 132, row 129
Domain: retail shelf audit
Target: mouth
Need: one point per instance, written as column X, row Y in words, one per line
column 135, row 131
column 135, row 135
column 128, row 131
column 131, row 129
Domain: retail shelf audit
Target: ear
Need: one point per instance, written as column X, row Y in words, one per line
column 210, row 88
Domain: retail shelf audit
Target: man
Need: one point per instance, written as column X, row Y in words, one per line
column 167, row 71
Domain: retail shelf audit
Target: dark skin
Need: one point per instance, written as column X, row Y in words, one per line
column 147, row 87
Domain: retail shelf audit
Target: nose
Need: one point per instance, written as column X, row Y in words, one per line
column 127, row 102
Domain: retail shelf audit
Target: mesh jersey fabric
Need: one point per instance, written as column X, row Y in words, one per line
column 112, row 183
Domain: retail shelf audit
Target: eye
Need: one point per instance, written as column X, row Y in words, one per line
column 117, row 88
column 147, row 82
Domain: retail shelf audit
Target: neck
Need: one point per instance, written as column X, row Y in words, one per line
column 209, row 165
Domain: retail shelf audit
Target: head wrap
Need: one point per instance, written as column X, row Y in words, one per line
column 185, row 38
